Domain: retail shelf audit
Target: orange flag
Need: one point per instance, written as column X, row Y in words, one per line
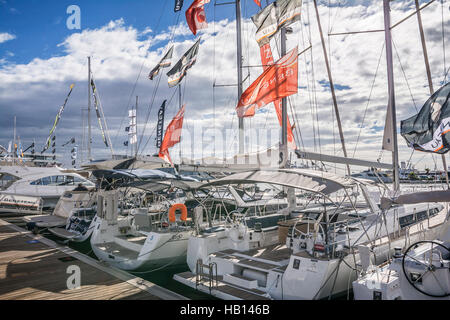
column 267, row 60
column 172, row 135
column 278, row 81
column 195, row 16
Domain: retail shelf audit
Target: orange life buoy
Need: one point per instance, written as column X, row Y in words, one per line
column 175, row 207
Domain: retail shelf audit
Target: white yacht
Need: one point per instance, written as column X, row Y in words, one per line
column 421, row 272
column 153, row 234
column 320, row 255
column 27, row 189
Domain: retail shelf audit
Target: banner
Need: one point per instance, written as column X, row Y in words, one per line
column 172, row 136
column 160, row 125
column 278, row 14
column 278, row 81
column 429, row 130
column 178, row 5
column 195, row 16
column 177, row 73
column 164, row 63
column 267, row 60
column 99, row 119
column 58, row 116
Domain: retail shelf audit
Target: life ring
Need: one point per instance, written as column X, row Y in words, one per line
column 174, row 208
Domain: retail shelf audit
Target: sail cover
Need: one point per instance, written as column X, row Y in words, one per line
column 164, row 63
column 416, row 197
column 278, row 14
column 429, row 130
column 177, row 73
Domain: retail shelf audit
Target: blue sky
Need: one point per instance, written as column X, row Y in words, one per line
column 40, row 57
column 40, row 25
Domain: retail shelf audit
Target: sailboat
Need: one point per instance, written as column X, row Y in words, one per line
column 322, row 252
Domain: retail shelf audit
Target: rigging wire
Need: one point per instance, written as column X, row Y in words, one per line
column 155, row 89
column 137, row 79
column 368, row 100
column 404, row 75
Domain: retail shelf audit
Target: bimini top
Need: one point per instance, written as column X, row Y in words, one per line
column 147, row 179
column 309, row 180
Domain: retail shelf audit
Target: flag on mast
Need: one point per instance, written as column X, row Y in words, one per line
column 172, row 135
column 164, row 63
column 429, row 130
column 58, row 116
column 177, row 73
column 160, row 125
column 278, row 81
column 195, row 16
column 267, row 60
column 178, row 5
column 278, row 14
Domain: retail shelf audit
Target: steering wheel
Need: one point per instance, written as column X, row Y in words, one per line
column 234, row 223
column 429, row 267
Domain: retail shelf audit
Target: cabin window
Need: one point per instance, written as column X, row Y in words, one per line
column 6, row 180
column 406, row 220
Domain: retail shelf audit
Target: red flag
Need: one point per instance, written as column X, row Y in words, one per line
column 172, row 135
column 258, row 2
column 277, row 81
column 267, row 60
column 195, row 16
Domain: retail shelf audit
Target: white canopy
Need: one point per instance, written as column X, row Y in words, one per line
column 309, row 180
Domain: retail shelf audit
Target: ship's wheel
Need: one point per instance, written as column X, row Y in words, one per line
column 429, row 265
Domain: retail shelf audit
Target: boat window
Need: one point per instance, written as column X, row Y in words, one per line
column 6, row 180
column 406, row 220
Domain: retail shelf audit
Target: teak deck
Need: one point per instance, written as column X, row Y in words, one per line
column 35, row 268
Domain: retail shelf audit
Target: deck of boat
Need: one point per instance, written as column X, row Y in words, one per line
column 35, row 268
column 221, row 290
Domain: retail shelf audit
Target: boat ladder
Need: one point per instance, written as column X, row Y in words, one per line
column 210, row 277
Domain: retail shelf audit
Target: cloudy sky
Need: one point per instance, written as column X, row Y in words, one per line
column 40, row 57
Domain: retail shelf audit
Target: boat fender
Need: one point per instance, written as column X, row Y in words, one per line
column 174, row 208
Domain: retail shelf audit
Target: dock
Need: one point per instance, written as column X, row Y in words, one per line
column 33, row 267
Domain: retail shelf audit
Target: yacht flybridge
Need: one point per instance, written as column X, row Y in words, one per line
column 32, row 190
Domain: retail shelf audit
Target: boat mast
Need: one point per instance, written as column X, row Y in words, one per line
column 14, row 142
column 330, row 79
column 239, row 71
column 391, row 102
column 427, row 66
column 136, row 110
column 89, row 110
column 284, row 120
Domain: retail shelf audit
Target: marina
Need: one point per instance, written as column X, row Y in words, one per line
column 281, row 160
column 35, row 268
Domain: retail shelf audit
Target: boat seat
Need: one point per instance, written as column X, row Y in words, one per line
column 46, row 221
column 63, row 233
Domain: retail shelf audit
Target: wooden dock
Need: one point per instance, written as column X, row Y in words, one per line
column 36, row 268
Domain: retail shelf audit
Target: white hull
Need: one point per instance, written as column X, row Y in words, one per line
column 150, row 251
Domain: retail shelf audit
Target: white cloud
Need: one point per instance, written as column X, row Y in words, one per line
column 119, row 51
column 4, row 36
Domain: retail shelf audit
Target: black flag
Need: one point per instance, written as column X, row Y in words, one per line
column 125, row 143
column 160, row 126
column 178, row 5
column 164, row 63
column 177, row 73
column 429, row 130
